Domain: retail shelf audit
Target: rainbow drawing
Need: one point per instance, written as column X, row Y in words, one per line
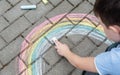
column 37, row 43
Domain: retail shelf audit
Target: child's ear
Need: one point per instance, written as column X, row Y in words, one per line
column 115, row 28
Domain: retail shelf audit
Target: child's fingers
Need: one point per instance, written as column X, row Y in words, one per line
column 57, row 43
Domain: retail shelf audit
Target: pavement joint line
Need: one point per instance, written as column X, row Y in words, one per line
column 90, row 3
column 3, row 46
column 39, row 2
column 51, row 3
column 69, row 20
column 24, row 69
column 9, row 3
column 40, row 56
column 46, row 61
column 48, row 40
column 22, row 60
column 57, row 4
column 72, row 71
column 70, row 3
column 49, row 20
column 28, row 1
column 78, row 4
column 22, row 72
column 14, row 4
column 27, row 19
column 3, row 39
column 92, row 41
column 5, row 18
column 93, row 49
column 25, row 39
column 91, row 21
column 69, row 41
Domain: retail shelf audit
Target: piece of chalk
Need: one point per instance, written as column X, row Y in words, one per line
column 45, row 1
column 27, row 7
column 54, row 39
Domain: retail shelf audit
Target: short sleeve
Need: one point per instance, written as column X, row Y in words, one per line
column 103, row 63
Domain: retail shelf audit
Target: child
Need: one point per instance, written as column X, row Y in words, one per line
column 107, row 63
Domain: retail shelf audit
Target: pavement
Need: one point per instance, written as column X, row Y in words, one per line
column 16, row 24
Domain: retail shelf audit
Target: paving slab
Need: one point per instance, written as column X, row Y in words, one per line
column 15, row 29
column 10, row 51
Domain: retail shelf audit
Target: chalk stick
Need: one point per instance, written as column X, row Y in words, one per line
column 54, row 39
column 28, row 7
column 45, row 1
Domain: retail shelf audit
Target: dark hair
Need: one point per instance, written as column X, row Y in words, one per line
column 108, row 11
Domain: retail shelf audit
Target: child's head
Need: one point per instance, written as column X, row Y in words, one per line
column 108, row 11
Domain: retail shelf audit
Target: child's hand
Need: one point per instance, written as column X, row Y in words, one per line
column 62, row 49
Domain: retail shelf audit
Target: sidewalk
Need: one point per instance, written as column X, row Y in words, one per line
column 25, row 36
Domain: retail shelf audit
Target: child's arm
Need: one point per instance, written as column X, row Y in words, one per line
column 83, row 63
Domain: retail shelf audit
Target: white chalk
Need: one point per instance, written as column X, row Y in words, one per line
column 54, row 39
column 27, row 7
